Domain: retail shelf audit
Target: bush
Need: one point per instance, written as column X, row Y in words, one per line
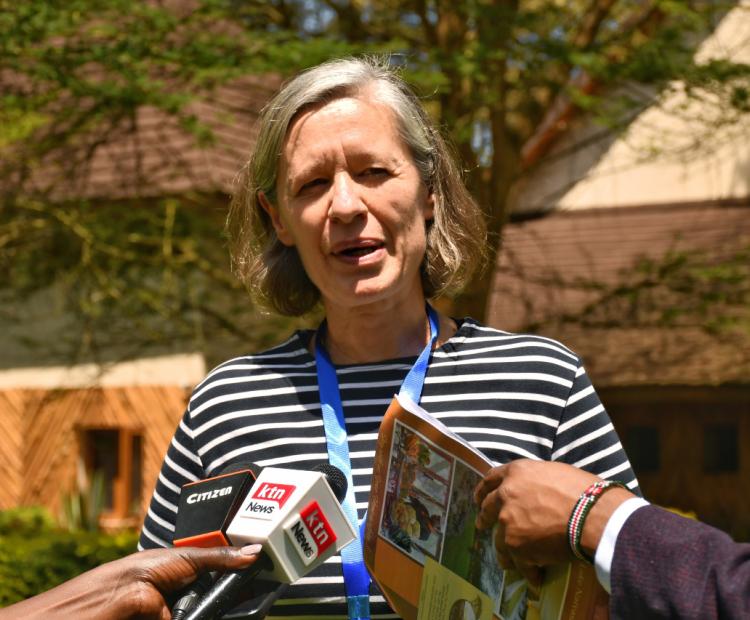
column 35, row 555
column 27, row 521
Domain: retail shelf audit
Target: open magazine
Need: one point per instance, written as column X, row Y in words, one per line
column 422, row 548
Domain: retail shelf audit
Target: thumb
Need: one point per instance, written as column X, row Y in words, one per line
column 219, row 558
column 533, row 574
column 169, row 569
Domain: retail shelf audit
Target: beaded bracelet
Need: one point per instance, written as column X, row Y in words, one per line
column 581, row 509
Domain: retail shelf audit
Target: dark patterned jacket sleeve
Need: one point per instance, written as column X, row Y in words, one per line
column 667, row 566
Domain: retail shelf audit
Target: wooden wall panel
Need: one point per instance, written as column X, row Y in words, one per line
column 12, row 403
column 52, row 445
column 39, row 436
column 162, row 408
column 681, row 417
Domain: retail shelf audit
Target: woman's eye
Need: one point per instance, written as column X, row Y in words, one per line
column 374, row 172
column 312, row 184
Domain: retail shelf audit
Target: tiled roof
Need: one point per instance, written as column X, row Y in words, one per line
column 151, row 155
column 557, row 276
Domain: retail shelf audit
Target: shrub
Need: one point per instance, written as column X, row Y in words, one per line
column 35, row 555
column 27, row 521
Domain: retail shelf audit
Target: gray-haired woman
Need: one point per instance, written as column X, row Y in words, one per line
column 351, row 201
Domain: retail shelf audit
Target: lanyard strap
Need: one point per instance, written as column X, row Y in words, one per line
column 356, row 577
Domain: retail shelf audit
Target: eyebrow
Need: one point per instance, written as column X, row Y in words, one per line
column 364, row 152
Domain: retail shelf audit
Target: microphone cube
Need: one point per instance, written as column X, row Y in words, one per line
column 207, row 507
column 296, row 517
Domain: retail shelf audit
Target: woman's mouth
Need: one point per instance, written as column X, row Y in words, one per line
column 358, row 250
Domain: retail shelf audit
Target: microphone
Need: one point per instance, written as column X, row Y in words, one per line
column 300, row 525
column 205, row 509
column 208, row 506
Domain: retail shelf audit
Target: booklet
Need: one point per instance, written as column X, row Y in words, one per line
column 421, row 546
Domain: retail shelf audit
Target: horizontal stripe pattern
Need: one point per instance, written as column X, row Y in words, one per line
column 510, row 395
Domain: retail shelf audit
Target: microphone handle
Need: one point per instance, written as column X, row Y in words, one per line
column 190, row 595
column 224, row 594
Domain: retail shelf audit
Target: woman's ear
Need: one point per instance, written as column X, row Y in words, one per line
column 429, row 208
column 282, row 232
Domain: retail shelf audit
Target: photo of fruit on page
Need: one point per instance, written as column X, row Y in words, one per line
column 416, row 502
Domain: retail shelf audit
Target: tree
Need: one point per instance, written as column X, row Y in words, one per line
column 501, row 77
column 132, row 268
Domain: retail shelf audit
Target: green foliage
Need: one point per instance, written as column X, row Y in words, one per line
column 35, row 556
column 132, row 279
column 26, row 521
column 82, row 508
column 694, row 288
column 151, row 275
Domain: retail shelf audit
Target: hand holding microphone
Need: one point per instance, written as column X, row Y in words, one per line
column 135, row 586
column 298, row 519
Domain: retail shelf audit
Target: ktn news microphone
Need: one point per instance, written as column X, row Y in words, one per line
column 298, row 519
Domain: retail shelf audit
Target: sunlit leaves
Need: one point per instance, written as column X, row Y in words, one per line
column 78, row 71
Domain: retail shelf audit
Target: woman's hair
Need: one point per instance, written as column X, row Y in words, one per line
column 272, row 271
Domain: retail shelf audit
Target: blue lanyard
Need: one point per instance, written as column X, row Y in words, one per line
column 356, row 577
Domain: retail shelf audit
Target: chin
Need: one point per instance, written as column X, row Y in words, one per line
column 369, row 295
column 382, row 293
column 382, row 288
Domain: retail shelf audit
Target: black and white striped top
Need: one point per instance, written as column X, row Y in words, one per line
column 510, row 395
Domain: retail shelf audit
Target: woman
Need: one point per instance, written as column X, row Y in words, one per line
column 352, row 201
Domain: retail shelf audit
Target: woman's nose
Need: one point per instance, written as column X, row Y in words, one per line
column 346, row 203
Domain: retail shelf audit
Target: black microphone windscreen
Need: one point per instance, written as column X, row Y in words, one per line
column 336, row 479
column 234, row 466
column 207, row 506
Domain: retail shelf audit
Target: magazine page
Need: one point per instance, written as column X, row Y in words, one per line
column 409, row 405
column 421, row 546
column 420, row 530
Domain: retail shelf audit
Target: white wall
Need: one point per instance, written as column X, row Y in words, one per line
column 676, row 151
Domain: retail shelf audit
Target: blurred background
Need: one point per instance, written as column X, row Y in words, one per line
column 608, row 142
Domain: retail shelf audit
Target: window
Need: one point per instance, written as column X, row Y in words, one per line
column 720, row 449
column 118, row 455
column 642, row 447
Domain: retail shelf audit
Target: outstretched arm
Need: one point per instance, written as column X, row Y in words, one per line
column 132, row 587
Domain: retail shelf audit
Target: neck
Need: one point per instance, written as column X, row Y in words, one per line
column 376, row 333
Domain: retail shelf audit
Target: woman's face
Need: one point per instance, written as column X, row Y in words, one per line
column 352, row 203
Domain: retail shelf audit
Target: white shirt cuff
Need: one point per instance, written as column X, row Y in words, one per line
column 606, row 550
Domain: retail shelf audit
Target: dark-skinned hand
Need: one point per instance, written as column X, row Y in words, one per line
column 530, row 502
column 135, row 586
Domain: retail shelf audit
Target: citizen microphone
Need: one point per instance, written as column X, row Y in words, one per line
column 208, row 506
column 297, row 517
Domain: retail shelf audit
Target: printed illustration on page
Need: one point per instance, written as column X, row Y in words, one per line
column 429, row 512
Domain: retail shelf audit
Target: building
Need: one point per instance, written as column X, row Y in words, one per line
column 114, row 414
column 58, row 422
column 635, row 252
